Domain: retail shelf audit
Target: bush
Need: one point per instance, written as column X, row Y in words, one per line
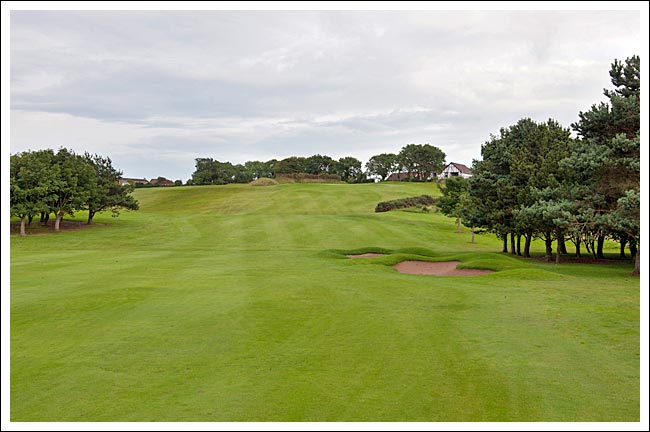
column 422, row 200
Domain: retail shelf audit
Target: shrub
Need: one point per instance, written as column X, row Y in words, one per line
column 422, row 200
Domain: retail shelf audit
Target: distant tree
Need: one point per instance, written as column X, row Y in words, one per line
column 106, row 193
column 258, row 169
column 209, row 171
column 349, row 169
column 178, row 182
column 291, row 165
column 382, row 165
column 241, row 174
column 318, row 164
column 205, row 171
column 422, row 161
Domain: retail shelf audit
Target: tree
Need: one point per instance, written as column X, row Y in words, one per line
column 535, row 165
column 491, row 186
column 382, row 165
column 521, row 161
column 626, row 219
column 74, row 179
column 106, row 193
column 455, row 195
column 241, row 174
column 31, row 184
column 318, row 164
column 626, row 78
column 349, row 169
column 209, row 171
column 258, row 169
column 422, row 161
column 291, row 165
column 205, row 171
column 608, row 160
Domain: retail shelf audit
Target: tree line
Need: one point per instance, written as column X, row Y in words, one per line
column 536, row 181
column 421, row 162
column 45, row 182
column 210, row 171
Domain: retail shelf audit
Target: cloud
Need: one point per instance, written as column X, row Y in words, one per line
column 155, row 89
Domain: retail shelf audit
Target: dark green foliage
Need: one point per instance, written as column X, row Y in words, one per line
column 522, row 160
column 32, row 184
column 626, row 78
column 257, row 169
column 106, row 193
column 318, row 164
column 209, row 171
column 349, row 169
column 607, row 162
column 456, row 201
column 536, row 181
column 75, row 180
column 421, row 161
column 319, row 167
column 63, row 183
column 291, row 165
column 382, row 165
column 452, row 191
column 422, row 200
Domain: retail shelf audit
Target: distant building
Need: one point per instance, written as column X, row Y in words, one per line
column 161, row 181
column 454, row 169
column 123, row 181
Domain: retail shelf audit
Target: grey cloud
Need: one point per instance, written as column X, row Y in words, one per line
column 261, row 84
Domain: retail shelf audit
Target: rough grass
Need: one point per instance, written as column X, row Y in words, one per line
column 236, row 303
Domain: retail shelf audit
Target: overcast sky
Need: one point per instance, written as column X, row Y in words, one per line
column 155, row 90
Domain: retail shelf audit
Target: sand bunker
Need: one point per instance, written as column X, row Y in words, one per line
column 447, row 268
column 366, row 255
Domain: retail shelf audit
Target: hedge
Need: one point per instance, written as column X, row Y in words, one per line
column 422, row 200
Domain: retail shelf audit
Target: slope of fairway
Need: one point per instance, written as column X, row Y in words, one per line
column 237, row 303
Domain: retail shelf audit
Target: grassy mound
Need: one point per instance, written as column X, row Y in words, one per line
column 263, row 182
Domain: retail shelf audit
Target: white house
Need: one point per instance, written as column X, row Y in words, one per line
column 454, row 169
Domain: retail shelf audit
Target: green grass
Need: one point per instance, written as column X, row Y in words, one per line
column 236, row 303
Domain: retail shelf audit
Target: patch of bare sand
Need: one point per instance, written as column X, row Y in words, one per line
column 447, row 268
column 366, row 255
